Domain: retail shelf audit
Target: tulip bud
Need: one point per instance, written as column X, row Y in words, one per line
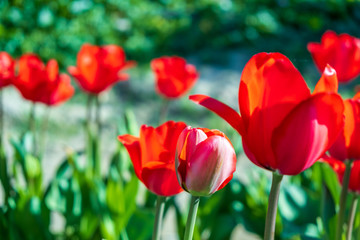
column 205, row 161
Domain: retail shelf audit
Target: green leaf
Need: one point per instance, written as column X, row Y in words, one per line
column 143, row 218
column 331, row 182
column 115, row 197
column 32, row 166
column 88, row 224
column 4, row 177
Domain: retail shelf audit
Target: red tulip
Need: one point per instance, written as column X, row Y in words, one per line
column 39, row 83
column 284, row 127
column 174, row 77
column 342, row 52
column 347, row 145
column 153, row 156
column 339, row 167
column 7, row 65
column 98, row 68
column 205, row 160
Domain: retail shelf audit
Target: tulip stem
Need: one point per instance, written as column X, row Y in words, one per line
column 88, row 110
column 190, row 223
column 350, row 225
column 270, row 223
column 343, row 195
column 164, row 110
column 1, row 118
column 32, row 127
column 160, row 206
column 44, row 127
column 97, row 115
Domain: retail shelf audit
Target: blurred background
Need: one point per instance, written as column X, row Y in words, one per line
column 218, row 37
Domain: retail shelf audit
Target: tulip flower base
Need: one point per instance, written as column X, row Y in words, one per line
column 272, row 206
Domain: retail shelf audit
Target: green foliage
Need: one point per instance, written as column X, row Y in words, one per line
column 147, row 29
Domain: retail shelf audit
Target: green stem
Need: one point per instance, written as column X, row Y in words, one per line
column 269, row 233
column 32, row 127
column 350, row 224
column 44, row 127
column 1, row 118
column 88, row 110
column 190, row 223
column 164, row 110
column 344, row 191
column 160, row 206
column 97, row 115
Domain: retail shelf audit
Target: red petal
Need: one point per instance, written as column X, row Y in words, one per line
column 132, row 145
column 328, row 81
column 52, row 69
column 342, row 52
column 210, row 166
column 270, row 88
column 222, row 110
column 160, row 178
column 62, row 91
column 347, row 145
column 307, row 133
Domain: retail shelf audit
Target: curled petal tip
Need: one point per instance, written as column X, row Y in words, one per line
column 329, row 71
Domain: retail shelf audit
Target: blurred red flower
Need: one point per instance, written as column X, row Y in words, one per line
column 283, row 126
column 347, row 145
column 205, row 160
column 39, row 83
column 153, row 156
column 342, row 52
column 7, row 66
column 339, row 167
column 98, row 68
column 174, row 77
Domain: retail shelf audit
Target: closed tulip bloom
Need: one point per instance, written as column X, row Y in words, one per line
column 174, row 77
column 205, row 161
column 99, row 67
column 284, row 127
column 339, row 167
column 342, row 52
column 153, row 156
column 39, row 83
column 7, row 65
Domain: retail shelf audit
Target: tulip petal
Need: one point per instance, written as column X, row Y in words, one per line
column 328, row 81
column 161, row 178
column 307, row 133
column 270, row 88
column 341, row 51
column 132, row 145
column 347, row 145
column 222, row 110
column 214, row 156
column 52, row 69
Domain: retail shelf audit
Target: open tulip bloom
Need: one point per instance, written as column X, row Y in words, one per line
column 153, row 158
column 39, row 83
column 174, row 77
column 284, row 128
column 205, row 163
column 342, row 52
column 99, row 67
